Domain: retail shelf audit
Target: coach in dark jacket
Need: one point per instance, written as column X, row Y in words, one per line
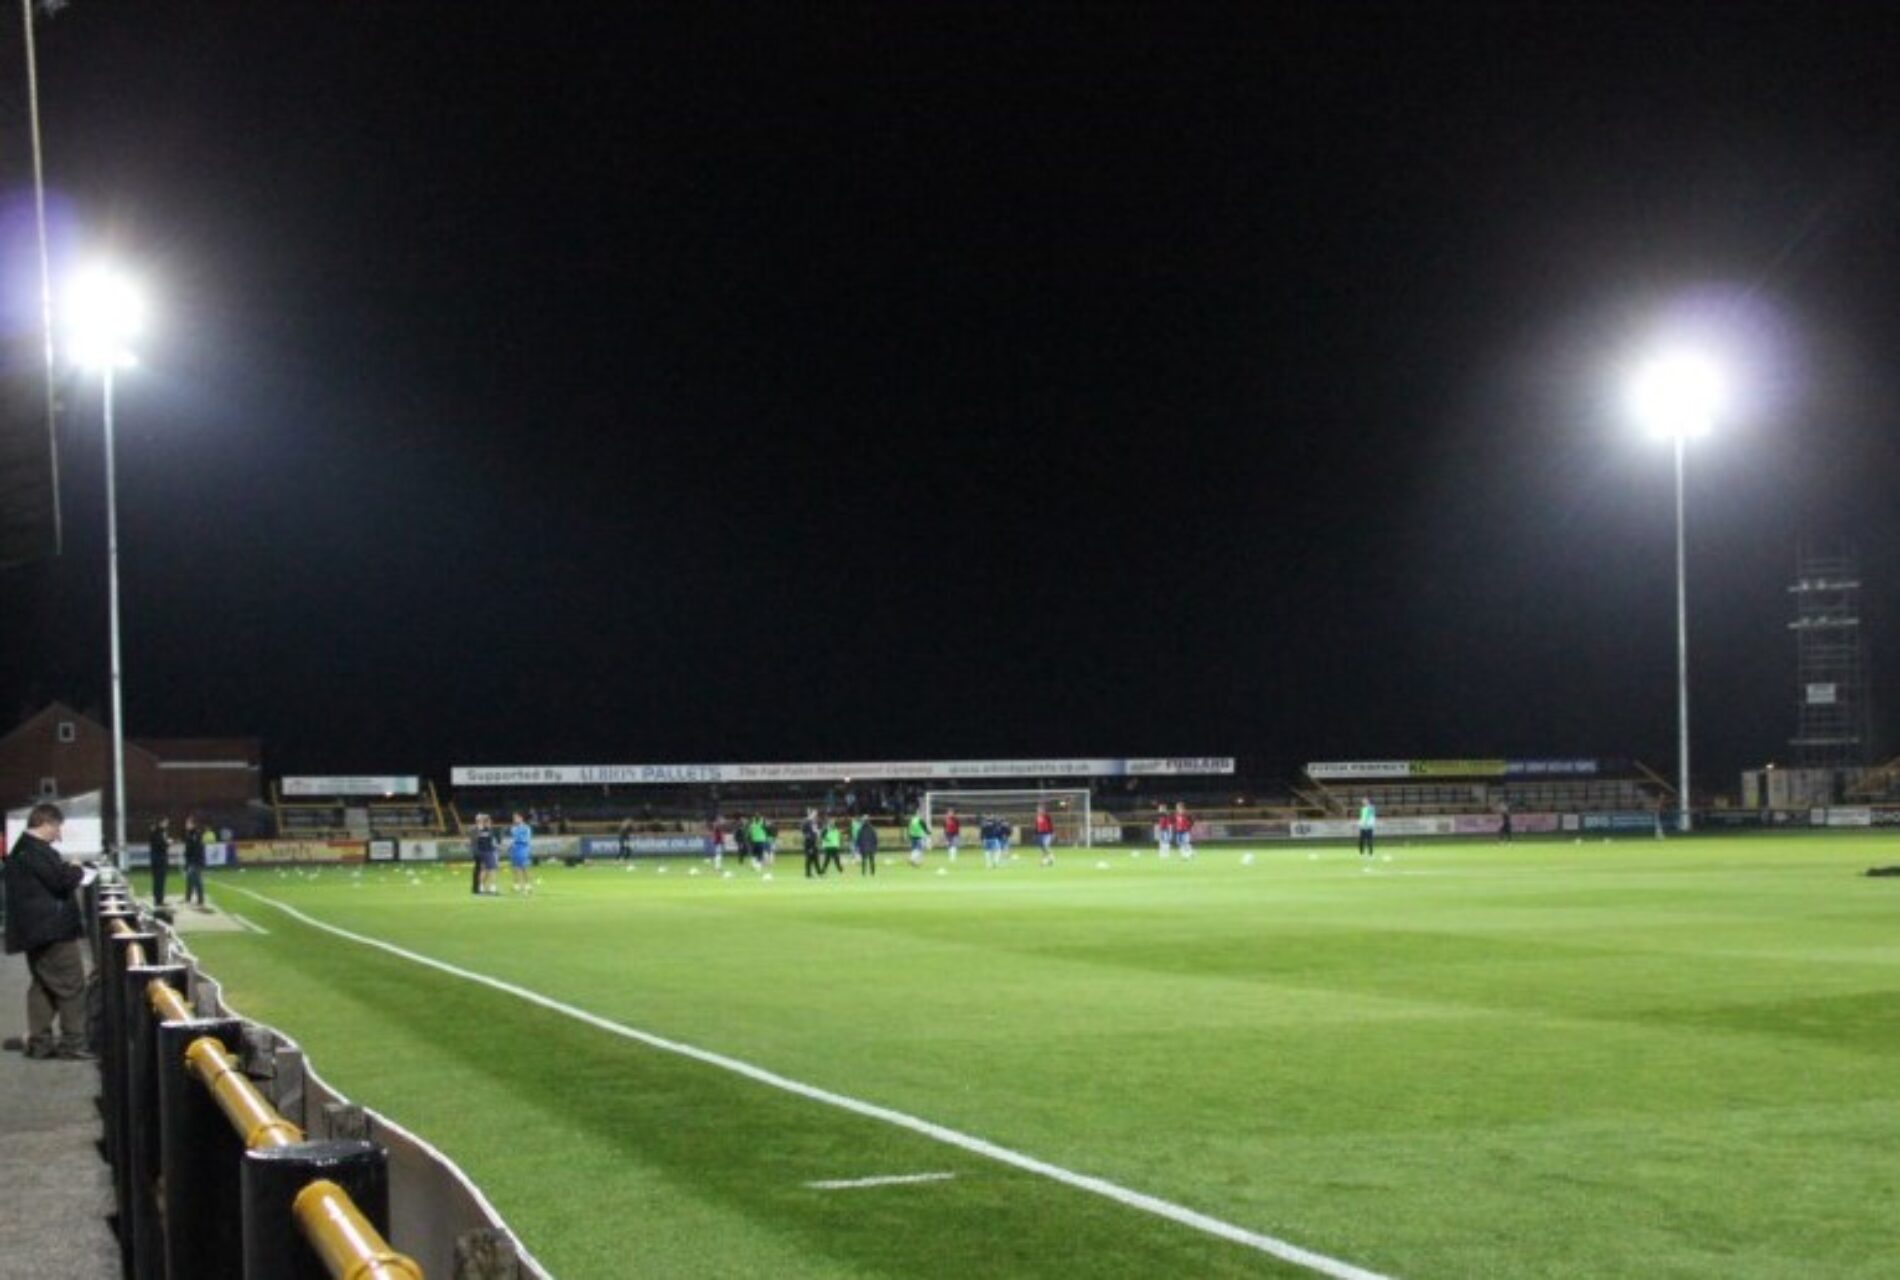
column 867, row 846
column 161, row 851
column 43, row 921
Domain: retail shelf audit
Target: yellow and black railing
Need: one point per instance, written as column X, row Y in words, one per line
column 212, row 1181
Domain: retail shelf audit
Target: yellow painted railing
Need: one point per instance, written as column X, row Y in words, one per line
column 350, row 1247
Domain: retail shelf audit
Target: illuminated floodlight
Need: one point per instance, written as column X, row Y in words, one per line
column 105, row 311
column 1678, row 395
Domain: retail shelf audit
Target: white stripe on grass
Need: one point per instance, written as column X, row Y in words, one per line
column 888, row 1180
column 254, row 928
column 1180, row 1214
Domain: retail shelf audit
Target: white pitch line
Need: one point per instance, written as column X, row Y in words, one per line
column 1194, row 1219
column 254, row 928
column 889, row 1180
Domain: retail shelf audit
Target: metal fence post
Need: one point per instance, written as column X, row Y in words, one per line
column 116, row 1061
column 274, row 1245
column 200, row 1154
column 142, row 1227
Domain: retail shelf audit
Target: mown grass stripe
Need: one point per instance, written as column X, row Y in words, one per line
column 1181, row 1215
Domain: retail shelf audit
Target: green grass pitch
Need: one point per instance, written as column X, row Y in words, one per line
column 1550, row 1059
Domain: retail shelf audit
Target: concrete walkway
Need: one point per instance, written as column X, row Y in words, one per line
column 55, row 1188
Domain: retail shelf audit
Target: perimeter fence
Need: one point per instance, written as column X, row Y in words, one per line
column 233, row 1159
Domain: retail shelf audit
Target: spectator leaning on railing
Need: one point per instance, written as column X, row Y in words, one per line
column 43, row 920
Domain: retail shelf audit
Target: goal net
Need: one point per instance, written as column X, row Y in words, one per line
column 1069, row 809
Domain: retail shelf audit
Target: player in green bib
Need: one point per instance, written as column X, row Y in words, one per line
column 832, row 841
column 919, row 833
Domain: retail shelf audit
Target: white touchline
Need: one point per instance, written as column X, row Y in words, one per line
column 888, row 1180
column 254, row 928
column 1180, row 1214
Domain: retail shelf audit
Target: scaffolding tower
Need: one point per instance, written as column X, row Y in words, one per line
column 1831, row 707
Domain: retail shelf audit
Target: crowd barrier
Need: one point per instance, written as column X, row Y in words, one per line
column 214, row 1177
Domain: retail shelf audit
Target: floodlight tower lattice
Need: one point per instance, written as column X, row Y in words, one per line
column 1832, row 711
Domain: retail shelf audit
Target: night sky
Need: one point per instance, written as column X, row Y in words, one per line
column 609, row 383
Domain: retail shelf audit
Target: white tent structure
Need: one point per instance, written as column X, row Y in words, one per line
column 83, row 836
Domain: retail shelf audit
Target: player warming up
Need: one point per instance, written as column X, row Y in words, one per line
column 833, row 843
column 1046, row 835
column 485, row 845
column 919, row 833
column 521, row 855
column 1164, row 830
column 1368, row 827
column 811, row 835
column 952, row 833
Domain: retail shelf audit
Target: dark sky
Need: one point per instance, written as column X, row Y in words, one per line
column 604, row 383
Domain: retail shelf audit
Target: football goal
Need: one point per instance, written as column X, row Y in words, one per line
column 1069, row 808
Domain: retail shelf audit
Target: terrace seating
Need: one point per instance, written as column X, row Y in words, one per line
column 1452, row 796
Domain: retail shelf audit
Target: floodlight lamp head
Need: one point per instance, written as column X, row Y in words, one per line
column 1678, row 395
column 105, row 311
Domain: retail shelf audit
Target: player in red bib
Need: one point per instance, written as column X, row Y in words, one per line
column 1183, row 830
column 1046, row 835
column 952, row 832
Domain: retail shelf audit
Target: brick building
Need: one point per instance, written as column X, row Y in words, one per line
column 60, row 752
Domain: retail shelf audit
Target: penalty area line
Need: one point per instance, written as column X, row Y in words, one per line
column 1181, row 1215
column 888, row 1180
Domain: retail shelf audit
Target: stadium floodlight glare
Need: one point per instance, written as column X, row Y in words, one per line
column 106, row 311
column 1677, row 396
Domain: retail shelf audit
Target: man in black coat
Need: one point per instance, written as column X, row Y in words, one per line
column 43, row 921
column 194, row 862
column 161, row 850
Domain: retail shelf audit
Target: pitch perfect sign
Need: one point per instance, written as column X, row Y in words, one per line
column 831, row 771
column 1406, row 770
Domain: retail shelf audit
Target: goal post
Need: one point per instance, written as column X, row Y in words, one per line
column 1069, row 807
